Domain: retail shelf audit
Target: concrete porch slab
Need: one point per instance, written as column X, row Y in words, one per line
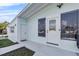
column 44, row 50
column 40, row 49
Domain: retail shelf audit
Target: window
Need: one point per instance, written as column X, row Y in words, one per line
column 52, row 24
column 69, row 25
column 41, row 27
column 12, row 29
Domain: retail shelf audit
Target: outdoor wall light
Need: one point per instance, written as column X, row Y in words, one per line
column 59, row 5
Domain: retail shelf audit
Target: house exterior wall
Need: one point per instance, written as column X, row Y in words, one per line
column 31, row 26
column 12, row 36
column 69, row 45
column 18, row 30
column 21, row 29
column 51, row 11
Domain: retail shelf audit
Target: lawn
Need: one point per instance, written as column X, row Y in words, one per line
column 5, row 43
column 20, row 52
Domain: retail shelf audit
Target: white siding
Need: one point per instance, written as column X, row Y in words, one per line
column 66, row 44
column 31, row 23
column 51, row 11
column 12, row 36
column 20, row 23
column 48, row 12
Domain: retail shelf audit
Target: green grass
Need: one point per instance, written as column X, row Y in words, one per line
column 20, row 52
column 5, row 43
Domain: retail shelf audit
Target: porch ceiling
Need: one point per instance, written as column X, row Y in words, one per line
column 32, row 9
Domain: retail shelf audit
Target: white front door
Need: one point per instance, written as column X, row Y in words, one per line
column 23, row 32
column 53, row 33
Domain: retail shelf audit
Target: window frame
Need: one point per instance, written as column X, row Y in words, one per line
column 42, row 29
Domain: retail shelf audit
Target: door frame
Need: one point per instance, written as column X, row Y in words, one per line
column 21, row 32
column 57, row 29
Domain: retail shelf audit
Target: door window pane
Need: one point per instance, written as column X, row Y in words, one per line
column 52, row 24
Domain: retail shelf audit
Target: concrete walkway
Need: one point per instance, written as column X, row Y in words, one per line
column 40, row 49
column 10, row 48
column 44, row 50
